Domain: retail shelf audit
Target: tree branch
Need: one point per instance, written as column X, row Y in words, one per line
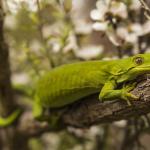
column 91, row 111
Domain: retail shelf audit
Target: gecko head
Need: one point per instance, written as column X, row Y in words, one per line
column 140, row 64
column 135, row 66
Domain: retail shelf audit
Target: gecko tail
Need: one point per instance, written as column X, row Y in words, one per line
column 4, row 122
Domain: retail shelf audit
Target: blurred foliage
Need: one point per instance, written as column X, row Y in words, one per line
column 43, row 34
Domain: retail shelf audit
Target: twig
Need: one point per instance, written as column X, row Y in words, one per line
column 146, row 8
column 44, row 41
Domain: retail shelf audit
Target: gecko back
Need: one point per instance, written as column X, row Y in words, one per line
column 68, row 83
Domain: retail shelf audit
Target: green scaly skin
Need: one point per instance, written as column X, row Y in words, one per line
column 69, row 83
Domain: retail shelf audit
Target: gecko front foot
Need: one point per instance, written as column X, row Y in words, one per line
column 128, row 96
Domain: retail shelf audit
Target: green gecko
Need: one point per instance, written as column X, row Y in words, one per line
column 71, row 82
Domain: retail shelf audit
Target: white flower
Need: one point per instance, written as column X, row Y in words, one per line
column 71, row 43
column 129, row 34
column 131, row 38
column 136, row 28
column 103, row 4
column 83, row 27
column 89, row 52
column 119, row 9
column 113, row 38
column 122, row 32
column 20, row 78
column 100, row 26
column 97, row 15
column 102, row 9
column 146, row 28
column 55, row 45
column 135, row 5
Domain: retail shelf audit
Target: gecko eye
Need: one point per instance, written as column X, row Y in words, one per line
column 138, row 60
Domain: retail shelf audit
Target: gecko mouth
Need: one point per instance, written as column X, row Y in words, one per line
column 144, row 69
column 140, row 68
column 146, row 66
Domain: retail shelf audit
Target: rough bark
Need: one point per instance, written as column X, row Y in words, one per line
column 95, row 112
